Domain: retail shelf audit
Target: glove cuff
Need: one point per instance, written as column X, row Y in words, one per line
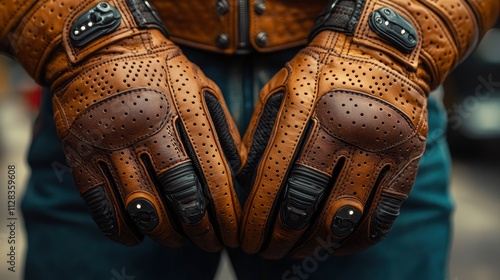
column 76, row 28
column 434, row 36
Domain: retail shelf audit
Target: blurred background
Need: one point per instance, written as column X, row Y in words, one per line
column 473, row 102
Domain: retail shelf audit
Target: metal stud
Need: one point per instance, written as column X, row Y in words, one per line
column 222, row 7
column 222, row 41
column 260, row 7
column 261, row 39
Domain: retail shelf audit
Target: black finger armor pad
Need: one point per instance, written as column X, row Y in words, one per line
column 304, row 190
column 386, row 213
column 102, row 210
column 183, row 190
column 143, row 213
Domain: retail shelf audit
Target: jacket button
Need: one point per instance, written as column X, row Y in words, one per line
column 261, row 39
column 260, row 7
column 222, row 41
column 222, row 7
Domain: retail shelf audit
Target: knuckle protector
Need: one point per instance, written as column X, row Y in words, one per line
column 122, row 119
column 363, row 121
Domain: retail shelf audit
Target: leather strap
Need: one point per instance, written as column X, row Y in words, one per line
column 146, row 16
column 339, row 15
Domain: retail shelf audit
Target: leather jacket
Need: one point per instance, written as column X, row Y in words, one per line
column 239, row 26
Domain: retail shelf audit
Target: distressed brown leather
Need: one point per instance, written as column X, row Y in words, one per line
column 353, row 112
column 128, row 107
column 198, row 24
column 286, row 23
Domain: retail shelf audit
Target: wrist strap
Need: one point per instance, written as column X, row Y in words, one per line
column 339, row 15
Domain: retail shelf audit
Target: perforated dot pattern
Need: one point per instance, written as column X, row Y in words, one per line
column 377, row 81
column 362, row 121
column 122, row 111
column 298, row 105
column 38, row 31
column 200, row 132
column 122, row 120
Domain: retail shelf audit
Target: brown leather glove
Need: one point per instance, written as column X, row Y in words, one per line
column 335, row 140
column 150, row 141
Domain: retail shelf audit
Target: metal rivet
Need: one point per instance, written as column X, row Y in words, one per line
column 260, row 7
column 82, row 28
column 76, row 32
column 90, row 24
column 261, row 39
column 387, row 12
column 222, row 41
column 143, row 213
column 403, row 31
column 345, row 221
column 222, row 7
column 386, row 22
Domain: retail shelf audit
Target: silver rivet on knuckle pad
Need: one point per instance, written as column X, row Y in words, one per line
column 143, row 213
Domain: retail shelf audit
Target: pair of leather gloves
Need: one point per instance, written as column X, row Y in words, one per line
column 332, row 149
